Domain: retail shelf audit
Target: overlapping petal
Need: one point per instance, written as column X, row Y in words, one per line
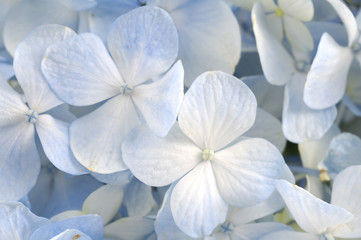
column 299, row 9
column 129, row 228
column 217, row 109
column 298, row 34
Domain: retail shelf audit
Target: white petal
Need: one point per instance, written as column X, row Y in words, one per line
column 129, row 229
column 12, row 107
column 96, row 138
column 79, row 5
column 209, row 36
column 27, row 15
column 196, row 204
column 17, row 221
column 71, row 234
column 287, row 235
column 217, row 109
column 245, row 172
column 326, row 81
column 298, row 34
column 159, row 101
column 27, row 63
column 348, row 20
column 143, row 43
column 267, row 127
column 20, row 161
column 258, row 230
column 346, row 193
column 311, row 214
column 301, row 123
column 54, row 137
column 277, row 64
column 67, row 214
column 159, row 161
column 299, row 9
column 105, row 201
column 275, row 26
column 80, row 71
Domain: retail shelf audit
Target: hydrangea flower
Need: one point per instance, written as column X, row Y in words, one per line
column 200, row 151
column 134, row 83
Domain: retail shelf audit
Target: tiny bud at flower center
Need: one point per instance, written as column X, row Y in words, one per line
column 126, row 89
column 207, row 154
column 279, row 12
column 31, row 116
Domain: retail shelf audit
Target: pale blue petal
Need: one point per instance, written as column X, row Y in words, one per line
column 54, row 137
column 117, row 178
column 159, row 101
column 71, row 234
column 96, row 138
column 245, row 172
column 173, row 155
column 277, row 64
column 27, row 15
column 344, row 151
column 287, row 235
column 20, row 161
column 80, row 71
column 299, row 122
column 209, row 36
column 79, row 5
column 326, row 80
column 89, row 224
column 27, row 65
column 18, row 222
column 129, row 229
column 216, row 110
column 196, row 203
column 143, row 43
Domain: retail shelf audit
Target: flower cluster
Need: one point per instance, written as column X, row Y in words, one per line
column 182, row 119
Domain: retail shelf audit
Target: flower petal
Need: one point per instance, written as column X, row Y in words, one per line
column 275, row 26
column 71, row 234
column 298, row 34
column 245, row 172
column 54, row 137
column 27, row 62
column 277, row 64
column 286, row 235
column 326, row 81
column 196, row 203
column 217, row 109
column 159, row 101
column 159, row 161
column 96, row 138
column 311, row 214
column 301, row 123
column 20, row 161
column 79, row 5
column 80, row 71
column 26, row 16
column 143, row 43
column 129, row 228
column 299, row 9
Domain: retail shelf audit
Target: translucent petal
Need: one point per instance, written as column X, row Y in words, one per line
column 117, row 178
column 311, row 214
column 204, row 25
column 346, row 193
column 298, row 34
column 173, row 155
column 217, row 109
column 27, row 63
column 269, row 128
column 80, row 71
column 96, row 138
column 348, row 20
column 129, row 229
column 143, row 43
column 79, row 5
column 196, row 203
column 326, row 81
column 20, row 162
column 301, row 123
column 277, row 64
column 71, row 234
column 245, row 172
column 105, row 202
column 286, row 235
column 27, row 15
column 54, row 137
column 159, row 101
column 88, row 224
column 299, row 9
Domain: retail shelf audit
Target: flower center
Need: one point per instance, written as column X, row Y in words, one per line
column 327, row 236
column 279, row 12
column 31, row 116
column 126, row 89
column 356, row 48
column 301, row 66
column 207, row 154
column 227, row 227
